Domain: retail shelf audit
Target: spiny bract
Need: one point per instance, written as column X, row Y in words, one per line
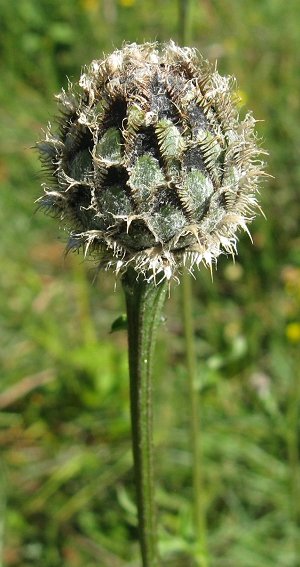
column 151, row 166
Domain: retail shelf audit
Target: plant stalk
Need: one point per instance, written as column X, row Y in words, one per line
column 292, row 440
column 191, row 364
column 144, row 303
column 184, row 21
column 194, row 395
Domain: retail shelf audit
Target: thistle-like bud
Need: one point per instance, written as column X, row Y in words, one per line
column 151, row 166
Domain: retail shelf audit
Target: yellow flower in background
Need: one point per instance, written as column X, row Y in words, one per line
column 291, row 279
column 292, row 332
column 90, row 5
column 241, row 98
column 127, row 3
column 233, row 272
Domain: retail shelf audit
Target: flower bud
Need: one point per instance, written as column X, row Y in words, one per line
column 151, row 166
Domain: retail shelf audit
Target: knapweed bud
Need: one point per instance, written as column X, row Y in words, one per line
column 151, row 166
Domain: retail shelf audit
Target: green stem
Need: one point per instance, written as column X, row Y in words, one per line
column 3, row 490
column 183, row 22
column 292, row 439
column 190, row 350
column 144, row 303
column 194, row 395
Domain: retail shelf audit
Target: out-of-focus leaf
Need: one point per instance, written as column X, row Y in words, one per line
column 119, row 324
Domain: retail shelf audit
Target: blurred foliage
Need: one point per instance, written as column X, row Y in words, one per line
column 66, row 470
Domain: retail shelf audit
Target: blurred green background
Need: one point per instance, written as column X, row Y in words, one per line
column 67, row 494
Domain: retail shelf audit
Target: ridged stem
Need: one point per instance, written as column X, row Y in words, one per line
column 194, row 412
column 144, row 303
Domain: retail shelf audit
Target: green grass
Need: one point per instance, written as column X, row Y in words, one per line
column 64, row 425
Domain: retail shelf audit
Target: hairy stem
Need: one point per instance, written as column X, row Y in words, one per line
column 194, row 396
column 144, row 303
